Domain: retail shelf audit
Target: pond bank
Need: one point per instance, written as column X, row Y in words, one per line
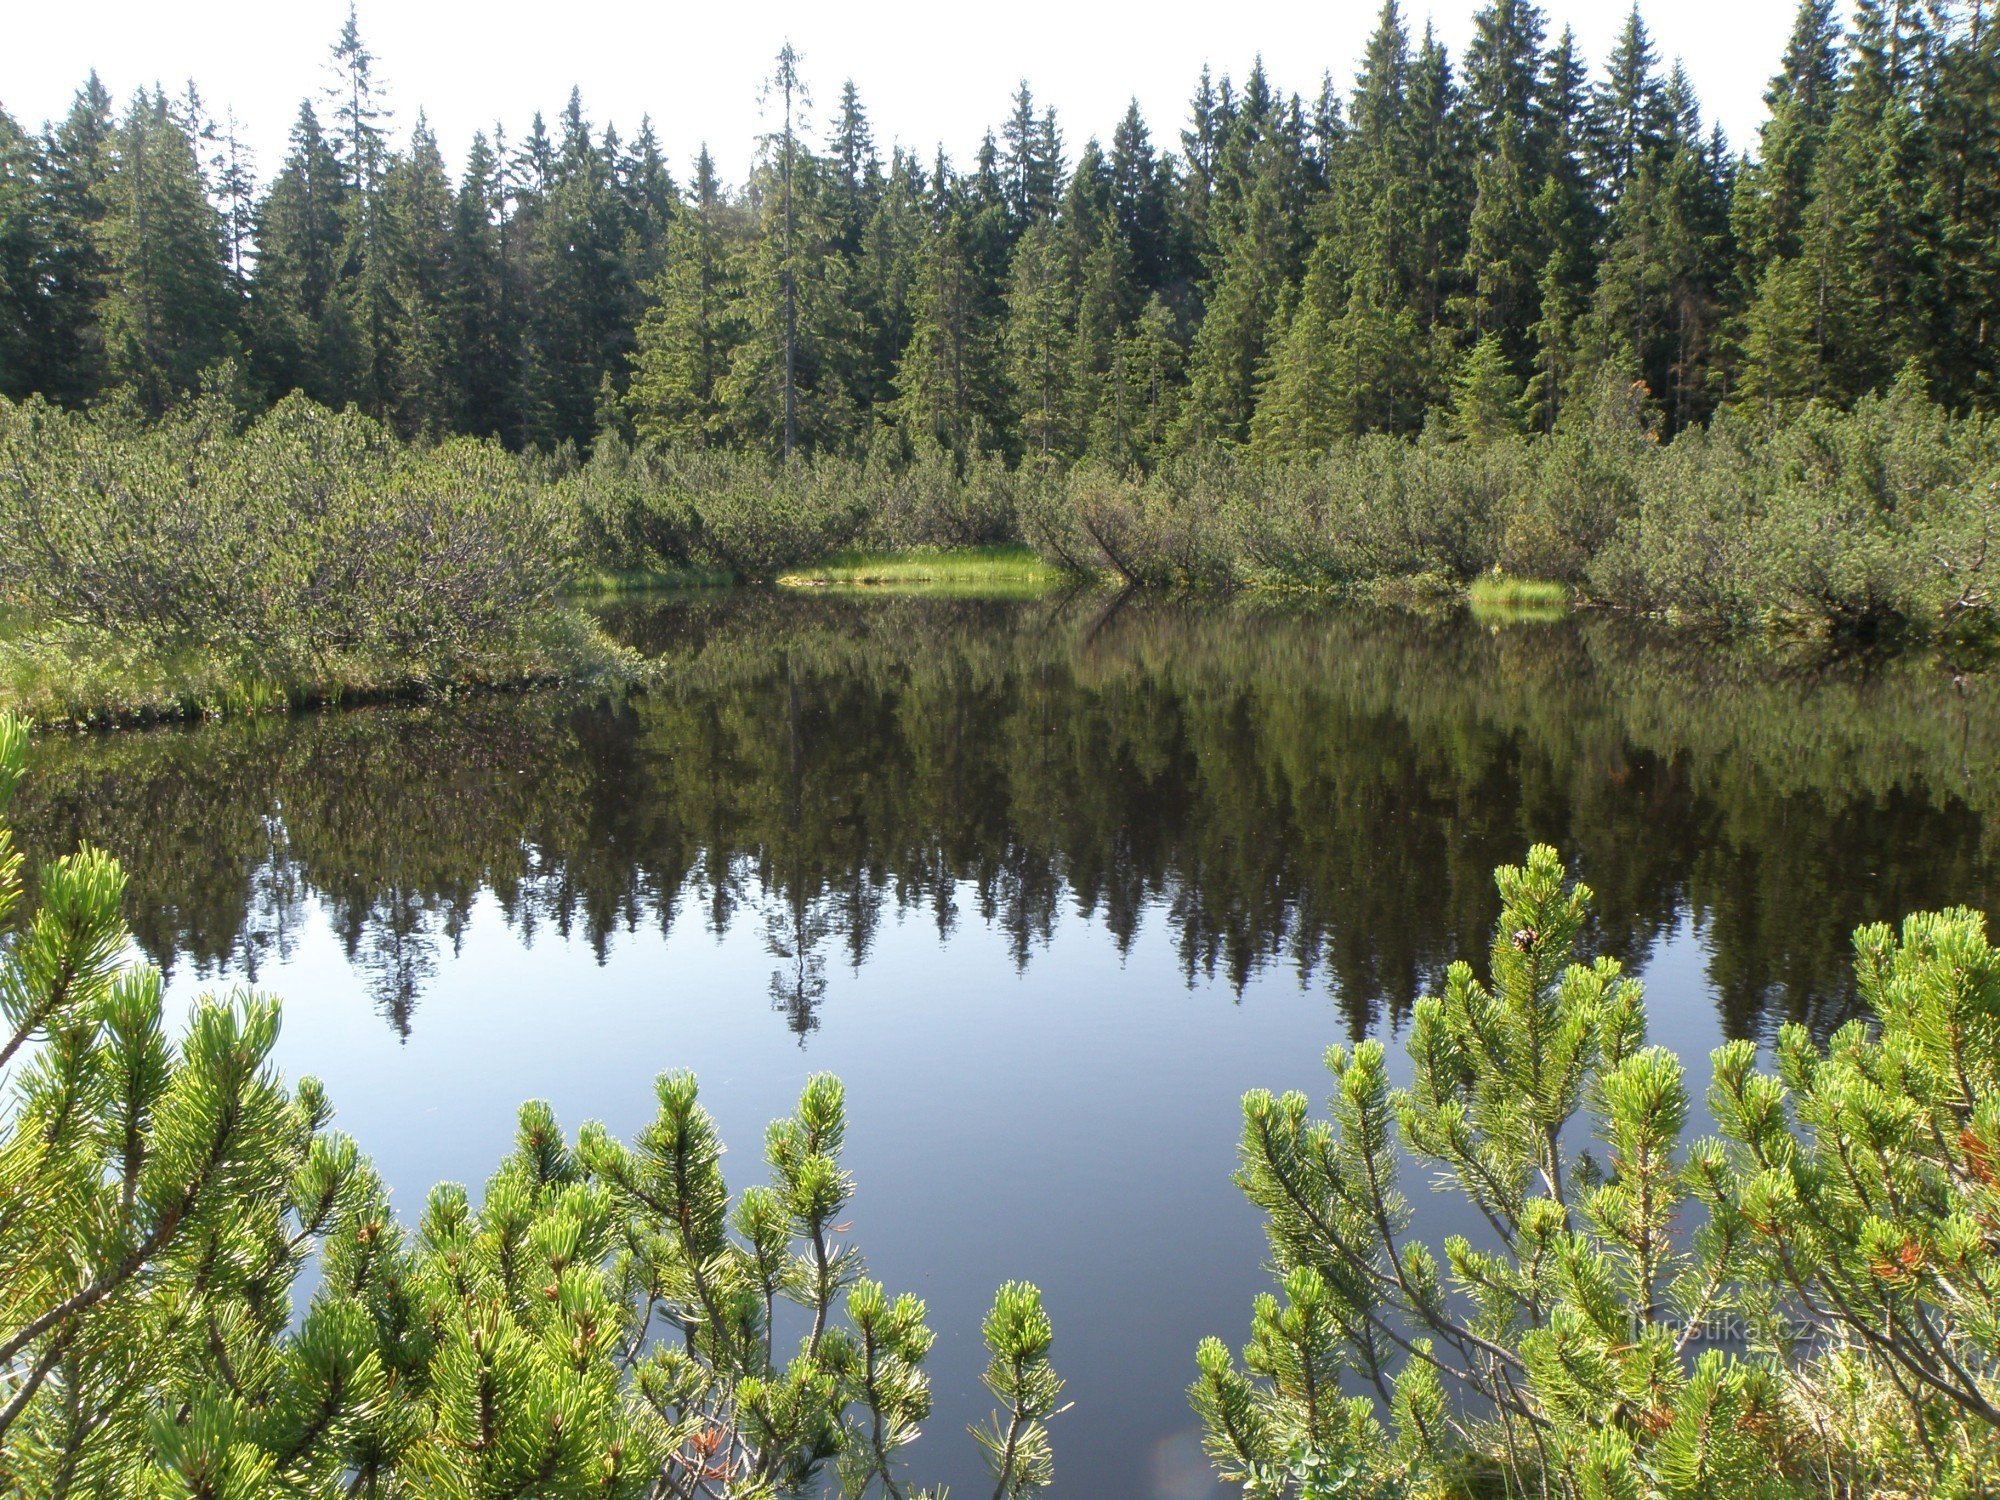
column 78, row 679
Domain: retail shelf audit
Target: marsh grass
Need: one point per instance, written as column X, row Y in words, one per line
column 1502, row 599
column 617, row 583
column 997, row 570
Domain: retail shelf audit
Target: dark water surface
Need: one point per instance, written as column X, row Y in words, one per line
column 1049, row 885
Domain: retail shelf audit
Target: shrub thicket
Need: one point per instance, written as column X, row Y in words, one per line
column 311, row 538
column 308, row 536
column 1886, row 515
column 1880, row 517
column 752, row 517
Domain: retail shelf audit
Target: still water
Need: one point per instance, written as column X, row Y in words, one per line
column 1049, row 884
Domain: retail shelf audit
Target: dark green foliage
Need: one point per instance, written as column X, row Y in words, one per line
column 1485, row 314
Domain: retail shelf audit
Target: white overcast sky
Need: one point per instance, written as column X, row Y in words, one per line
column 928, row 72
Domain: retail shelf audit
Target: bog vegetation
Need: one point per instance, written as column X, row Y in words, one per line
column 211, row 560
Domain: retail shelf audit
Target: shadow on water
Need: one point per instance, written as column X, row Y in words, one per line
column 1049, row 884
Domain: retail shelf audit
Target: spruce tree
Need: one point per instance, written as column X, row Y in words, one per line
column 687, row 334
column 1104, row 307
column 886, row 271
column 1776, row 186
column 1486, row 404
column 1960, row 92
column 21, row 252
column 948, row 380
column 578, row 295
column 1031, row 163
column 167, row 313
column 786, row 389
column 1631, row 116
column 480, row 300
column 1869, row 230
column 301, row 337
column 1038, row 339
column 1569, row 226
column 355, row 108
column 415, row 210
column 1258, row 251
column 1666, row 268
column 1142, row 191
column 650, row 200
column 1138, row 408
column 67, row 363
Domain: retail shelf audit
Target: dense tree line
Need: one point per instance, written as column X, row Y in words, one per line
column 1467, row 238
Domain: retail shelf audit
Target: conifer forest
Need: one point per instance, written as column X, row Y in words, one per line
column 1316, row 787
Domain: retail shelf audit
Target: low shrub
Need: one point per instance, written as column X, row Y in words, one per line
column 307, row 536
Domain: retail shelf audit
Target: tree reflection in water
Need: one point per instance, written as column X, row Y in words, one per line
column 1324, row 790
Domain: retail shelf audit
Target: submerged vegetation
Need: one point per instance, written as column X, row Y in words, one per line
column 604, row 1320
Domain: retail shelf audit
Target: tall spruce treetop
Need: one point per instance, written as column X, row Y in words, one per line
column 1142, row 197
column 787, row 89
column 1503, row 69
column 1632, row 113
column 66, row 362
column 1032, row 164
column 299, row 343
column 20, row 310
column 167, row 312
column 355, row 105
column 1376, row 115
column 854, row 143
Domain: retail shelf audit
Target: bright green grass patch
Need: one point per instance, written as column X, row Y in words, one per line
column 1504, row 591
column 1500, row 598
column 980, row 570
